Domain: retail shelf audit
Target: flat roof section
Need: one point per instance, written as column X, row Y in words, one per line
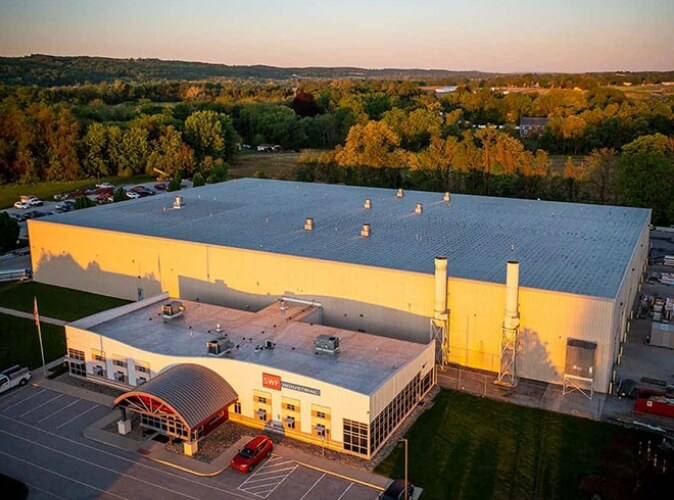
column 574, row 248
column 364, row 362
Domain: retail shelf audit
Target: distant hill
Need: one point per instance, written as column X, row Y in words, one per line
column 45, row 70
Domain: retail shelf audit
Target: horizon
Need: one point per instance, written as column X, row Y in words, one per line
column 557, row 37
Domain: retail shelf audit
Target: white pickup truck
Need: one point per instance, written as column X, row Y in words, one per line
column 11, row 377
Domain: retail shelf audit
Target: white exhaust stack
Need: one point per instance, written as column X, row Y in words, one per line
column 309, row 224
column 400, row 193
column 507, row 374
column 447, row 197
column 440, row 307
column 365, row 231
column 368, row 203
column 512, row 315
column 419, row 208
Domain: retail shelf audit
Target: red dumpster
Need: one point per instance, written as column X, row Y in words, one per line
column 655, row 402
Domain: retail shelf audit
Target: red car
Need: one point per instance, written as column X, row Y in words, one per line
column 252, row 454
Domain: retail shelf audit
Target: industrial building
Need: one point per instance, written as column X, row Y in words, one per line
column 413, row 266
column 188, row 366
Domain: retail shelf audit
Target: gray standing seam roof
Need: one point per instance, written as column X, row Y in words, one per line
column 194, row 391
column 568, row 247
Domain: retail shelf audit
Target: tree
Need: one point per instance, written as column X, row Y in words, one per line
column 646, row 176
column 84, row 202
column 95, row 161
column 210, row 134
column 119, row 195
column 218, row 172
column 602, row 172
column 175, row 183
column 9, row 232
column 304, row 104
column 172, row 155
column 198, row 180
column 373, row 145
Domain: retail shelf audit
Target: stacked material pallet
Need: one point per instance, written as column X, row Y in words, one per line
column 667, row 278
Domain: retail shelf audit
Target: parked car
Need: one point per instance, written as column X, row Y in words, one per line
column 627, row 388
column 11, row 377
column 252, row 454
column 161, row 186
column 396, row 491
column 105, row 185
column 22, row 205
column 132, row 194
column 35, row 202
column 27, row 198
column 61, row 196
column 142, row 190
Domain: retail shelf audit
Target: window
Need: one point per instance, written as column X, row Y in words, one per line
column 120, row 377
column 290, row 422
column 261, row 399
column 262, row 415
column 99, row 371
column 290, row 407
column 119, row 362
column 76, row 363
column 320, row 431
column 142, row 369
column 391, row 416
column 98, row 355
column 140, row 380
column 237, row 408
column 320, row 414
column 355, row 436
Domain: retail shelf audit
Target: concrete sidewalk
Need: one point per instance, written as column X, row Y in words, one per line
column 25, row 315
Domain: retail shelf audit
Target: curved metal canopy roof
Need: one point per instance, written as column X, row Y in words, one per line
column 194, row 392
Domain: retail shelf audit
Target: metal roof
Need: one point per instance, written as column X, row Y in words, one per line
column 575, row 248
column 365, row 361
column 193, row 391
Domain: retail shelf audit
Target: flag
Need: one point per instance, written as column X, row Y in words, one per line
column 36, row 314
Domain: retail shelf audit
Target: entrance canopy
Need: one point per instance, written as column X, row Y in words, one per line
column 189, row 392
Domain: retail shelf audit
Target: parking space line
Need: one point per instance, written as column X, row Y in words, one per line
column 61, row 475
column 347, row 489
column 23, row 400
column 312, row 487
column 13, row 393
column 265, row 479
column 33, row 487
column 154, row 485
column 159, row 470
column 40, row 405
column 58, row 411
column 77, row 416
column 275, row 471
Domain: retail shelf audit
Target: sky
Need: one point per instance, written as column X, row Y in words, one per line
column 487, row 35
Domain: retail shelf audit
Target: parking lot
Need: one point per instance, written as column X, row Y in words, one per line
column 41, row 444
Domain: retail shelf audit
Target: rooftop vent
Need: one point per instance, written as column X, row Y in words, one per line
column 178, row 202
column 419, row 208
column 368, row 203
column 447, row 197
column 400, row 193
column 365, row 231
column 221, row 345
column 172, row 310
column 327, row 344
column 309, row 224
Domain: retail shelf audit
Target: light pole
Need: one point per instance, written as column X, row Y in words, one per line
column 404, row 440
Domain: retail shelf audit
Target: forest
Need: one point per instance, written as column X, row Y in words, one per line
column 607, row 138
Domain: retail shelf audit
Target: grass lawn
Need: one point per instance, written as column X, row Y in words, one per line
column 54, row 301
column 9, row 193
column 19, row 342
column 272, row 165
column 467, row 447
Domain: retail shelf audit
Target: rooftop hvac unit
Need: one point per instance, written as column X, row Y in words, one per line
column 178, row 202
column 326, row 343
column 419, row 208
column 365, row 231
column 172, row 310
column 400, row 193
column 219, row 346
column 580, row 356
column 368, row 203
column 309, row 224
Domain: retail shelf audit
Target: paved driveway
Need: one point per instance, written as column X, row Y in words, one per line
column 41, row 444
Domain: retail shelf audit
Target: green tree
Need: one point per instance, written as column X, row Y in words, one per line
column 9, row 232
column 84, row 202
column 602, row 172
column 175, row 183
column 218, row 172
column 646, row 176
column 172, row 155
column 210, row 133
column 198, row 180
column 119, row 195
column 95, row 162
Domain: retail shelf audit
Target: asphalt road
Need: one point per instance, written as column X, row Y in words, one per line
column 41, row 444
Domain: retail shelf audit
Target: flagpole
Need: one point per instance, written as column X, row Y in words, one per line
column 39, row 334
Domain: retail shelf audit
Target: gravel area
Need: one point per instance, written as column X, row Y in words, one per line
column 90, row 386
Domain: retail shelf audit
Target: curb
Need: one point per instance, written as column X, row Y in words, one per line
column 185, row 469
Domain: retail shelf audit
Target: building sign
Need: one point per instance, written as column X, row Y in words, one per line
column 271, row 381
column 275, row 382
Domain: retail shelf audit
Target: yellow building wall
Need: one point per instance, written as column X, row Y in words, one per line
column 395, row 303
